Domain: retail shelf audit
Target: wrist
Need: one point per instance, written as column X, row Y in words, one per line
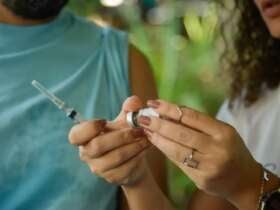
column 146, row 194
column 139, row 177
column 142, row 182
column 272, row 182
column 270, row 199
column 248, row 192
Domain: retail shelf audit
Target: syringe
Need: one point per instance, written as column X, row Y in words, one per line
column 70, row 112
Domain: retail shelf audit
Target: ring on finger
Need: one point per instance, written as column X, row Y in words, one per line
column 179, row 109
column 190, row 161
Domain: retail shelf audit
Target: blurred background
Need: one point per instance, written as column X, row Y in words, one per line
column 180, row 39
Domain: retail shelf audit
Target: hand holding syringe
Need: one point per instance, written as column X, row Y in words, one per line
column 112, row 150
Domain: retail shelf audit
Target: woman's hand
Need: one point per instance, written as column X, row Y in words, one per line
column 112, row 150
column 209, row 151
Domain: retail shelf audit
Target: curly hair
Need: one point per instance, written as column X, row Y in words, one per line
column 253, row 62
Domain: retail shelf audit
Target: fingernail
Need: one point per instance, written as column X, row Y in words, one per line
column 153, row 104
column 137, row 133
column 145, row 121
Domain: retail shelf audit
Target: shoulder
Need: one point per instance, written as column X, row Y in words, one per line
column 88, row 27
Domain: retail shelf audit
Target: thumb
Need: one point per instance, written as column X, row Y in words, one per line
column 131, row 104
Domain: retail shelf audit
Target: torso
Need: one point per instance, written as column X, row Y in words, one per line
column 87, row 67
column 259, row 126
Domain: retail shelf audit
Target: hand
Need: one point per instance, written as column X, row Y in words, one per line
column 221, row 163
column 112, row 150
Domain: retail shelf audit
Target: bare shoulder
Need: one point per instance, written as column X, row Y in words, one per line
column 141, row 75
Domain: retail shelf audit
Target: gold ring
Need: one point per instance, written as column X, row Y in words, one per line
column 180, row 113
column 190, row 161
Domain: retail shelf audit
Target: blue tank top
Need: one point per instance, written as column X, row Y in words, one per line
column 82, row 63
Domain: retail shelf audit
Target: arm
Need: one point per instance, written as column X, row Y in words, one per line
column 201, row 200
column 114, row 151
column 146, row 195
column 144, row 86
column 217, row 159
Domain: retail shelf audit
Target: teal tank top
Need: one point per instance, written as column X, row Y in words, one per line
column 82, row 63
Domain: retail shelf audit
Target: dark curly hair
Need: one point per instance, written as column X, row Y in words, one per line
column 35, row 9
column 253, row 62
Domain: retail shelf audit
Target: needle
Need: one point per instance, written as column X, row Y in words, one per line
column 70, row 112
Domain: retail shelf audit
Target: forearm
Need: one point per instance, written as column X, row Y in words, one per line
column 249, row 200
column 146, row 195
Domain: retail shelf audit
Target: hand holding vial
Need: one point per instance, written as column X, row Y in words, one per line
column 210, row 152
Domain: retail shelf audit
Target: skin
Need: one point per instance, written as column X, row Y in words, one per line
column 141, row 73
column 271, row 23
column 132, row 172
column 113, row 150
column 130, row 155
column 226, row 168
column 119, row 154
column 134, row 146
column 227, row 173
column 200, row 199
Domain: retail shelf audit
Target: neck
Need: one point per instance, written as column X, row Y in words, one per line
column 7, row 17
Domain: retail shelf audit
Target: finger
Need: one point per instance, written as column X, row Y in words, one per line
column 82, row 133
column 110, row 141
column 190, row 117
column 174, row 151
column 176, row 132
column 131, row 104
column 124, row 173
column 177, row 154
column 117, row 157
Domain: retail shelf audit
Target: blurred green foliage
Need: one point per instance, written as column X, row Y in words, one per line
column 84, row 7
column 184, row 57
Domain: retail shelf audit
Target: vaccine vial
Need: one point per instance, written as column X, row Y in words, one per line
column 131, row 117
